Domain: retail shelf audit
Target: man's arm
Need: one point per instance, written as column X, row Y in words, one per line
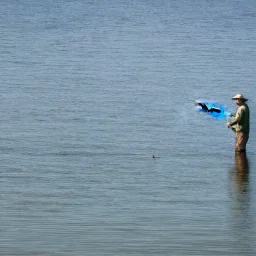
column 237, row 118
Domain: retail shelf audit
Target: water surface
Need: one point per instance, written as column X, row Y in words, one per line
column 89, row 91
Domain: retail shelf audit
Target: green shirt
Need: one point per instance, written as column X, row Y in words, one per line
column 242, row 119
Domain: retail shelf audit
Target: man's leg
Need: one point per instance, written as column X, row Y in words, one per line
column 241, row 140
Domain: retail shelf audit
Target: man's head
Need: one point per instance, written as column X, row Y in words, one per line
column 240, row 99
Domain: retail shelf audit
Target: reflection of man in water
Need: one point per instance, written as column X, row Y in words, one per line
column 241, row 210
column 242, row 172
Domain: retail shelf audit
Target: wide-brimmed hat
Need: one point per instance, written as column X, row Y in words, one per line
column 239, row 96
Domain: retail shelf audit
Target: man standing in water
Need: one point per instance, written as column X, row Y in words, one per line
column 242, row 122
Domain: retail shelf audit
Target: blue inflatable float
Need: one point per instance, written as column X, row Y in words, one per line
column 216, row 110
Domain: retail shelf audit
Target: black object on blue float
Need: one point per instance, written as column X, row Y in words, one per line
column 214, row 109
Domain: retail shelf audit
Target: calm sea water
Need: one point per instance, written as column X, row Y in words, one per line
column 89, row 91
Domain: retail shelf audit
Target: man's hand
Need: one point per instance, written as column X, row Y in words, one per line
column 228, row 125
